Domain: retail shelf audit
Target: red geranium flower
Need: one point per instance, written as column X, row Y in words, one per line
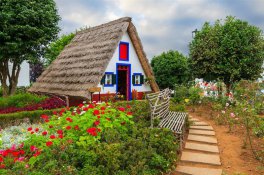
column 61, row 136
column 98, row 116
column 54, row 112
column 128, row 106
column 32, row 132
column 44, row 117
column 76, row 127
column 36, row 129
column 2, row 166
column 97, row 122
column 73, row 114
column 50, row 126
column 1, row 159
column 22, row 152
column 36, row 154
column 103, row 108
column 121, row 109
column 49, row 143
column 92, row 131
column 90, row 106
column 129, row 113
column 47, row 120
column 33, row 148
column 29, row 129
column 85, row 109
column 69, row 119
column 80, row 105
column 68, row 127
column 60, row 132
column 96, row 112
column 16, row 153
column 52, row 137
column 44, row 133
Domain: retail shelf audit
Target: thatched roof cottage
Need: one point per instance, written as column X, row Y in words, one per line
column 108, row 58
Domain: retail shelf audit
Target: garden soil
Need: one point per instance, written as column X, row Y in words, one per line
column 235, row 157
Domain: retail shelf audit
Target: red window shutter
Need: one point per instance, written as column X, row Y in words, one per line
column 123, row 51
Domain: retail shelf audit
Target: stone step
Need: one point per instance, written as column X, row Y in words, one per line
column 187, row 170
column 204, row 139
column 198, row 123
column 200, row 158
column 209, row 128
column 201, row 132
column 201, row 147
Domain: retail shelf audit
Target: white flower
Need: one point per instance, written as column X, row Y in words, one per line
column 223, row 112
column 227, row 104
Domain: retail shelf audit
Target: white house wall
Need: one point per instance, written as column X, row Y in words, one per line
column 135, row 67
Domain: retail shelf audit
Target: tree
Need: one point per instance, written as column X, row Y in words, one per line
column 26, row 28
column 55, row 48
column 170, row 68
column 229, row 51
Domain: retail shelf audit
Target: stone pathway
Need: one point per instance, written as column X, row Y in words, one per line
column 200, row 155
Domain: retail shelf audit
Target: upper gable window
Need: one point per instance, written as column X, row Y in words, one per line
column 124, row 51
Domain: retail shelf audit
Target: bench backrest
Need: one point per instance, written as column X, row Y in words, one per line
column 159, row 104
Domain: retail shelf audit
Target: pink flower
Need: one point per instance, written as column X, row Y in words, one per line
column 232, row 115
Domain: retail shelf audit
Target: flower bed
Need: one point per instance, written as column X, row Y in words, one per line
column 93, row 139
column 49, row 103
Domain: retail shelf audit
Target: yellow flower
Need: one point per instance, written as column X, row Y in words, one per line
column 186, row 100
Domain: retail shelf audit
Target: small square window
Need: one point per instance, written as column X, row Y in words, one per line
column 108, row 79
column 137, row 79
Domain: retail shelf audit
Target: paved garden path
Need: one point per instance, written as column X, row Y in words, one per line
column 200, row 155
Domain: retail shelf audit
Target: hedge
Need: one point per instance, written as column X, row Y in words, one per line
column 18, row 117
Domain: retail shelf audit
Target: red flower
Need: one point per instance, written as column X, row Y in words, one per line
column 44, row 117
column 128, row 106
column 44, row 133
column 22, row 152
column 16, row 153
column 49, row 143
column 2, row 166
column 29, row 129
column 50, row 126
column 103, row 108
column 85, row 109
column 47, row 120
column 80, row 105
column 54, row 112
column 98, row 129
column 73, row 114
column 32, row 132
column 76, row 127
column 92, row 131
column 36, row 129
column 52, row 137
column 121, row 109
column 96, row 112
column 102, row 112
column 123, row 123
column 61, row 136
column 68, row 127
column 33, row 148
column 90, row 106
column 60, row 132
column 98, row 116
column 69, row 119
column 36, row 154
column 1, row 159
column 129, row 113
column 97, row 122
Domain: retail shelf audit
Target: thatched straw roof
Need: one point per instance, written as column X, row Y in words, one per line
column 82, row 63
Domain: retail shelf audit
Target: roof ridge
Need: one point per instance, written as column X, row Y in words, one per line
column 120, row 20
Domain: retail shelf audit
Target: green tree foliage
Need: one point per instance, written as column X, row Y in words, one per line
column 230, row 51
column 170, row 68
column 26, row 28
column 56, row 47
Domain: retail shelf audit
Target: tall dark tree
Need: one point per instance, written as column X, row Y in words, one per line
column 26, row 28
column 170, row 68
column 228, row 50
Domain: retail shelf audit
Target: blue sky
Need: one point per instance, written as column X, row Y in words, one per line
column 162, row 24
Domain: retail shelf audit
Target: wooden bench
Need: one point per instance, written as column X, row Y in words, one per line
column 159, row 104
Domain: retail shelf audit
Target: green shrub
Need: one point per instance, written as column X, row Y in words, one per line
column 20, row 100
column 181, row 93
column 18, row 117
column 177, row 107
